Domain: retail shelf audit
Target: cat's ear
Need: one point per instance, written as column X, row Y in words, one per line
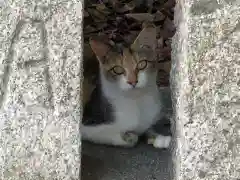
column 99, row 48
column 146, row 38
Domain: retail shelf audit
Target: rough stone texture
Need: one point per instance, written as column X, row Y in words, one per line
column 206, row 90
column 40, row 75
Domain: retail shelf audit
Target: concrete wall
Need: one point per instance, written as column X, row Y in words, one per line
column 206, row 90
column 40, row 65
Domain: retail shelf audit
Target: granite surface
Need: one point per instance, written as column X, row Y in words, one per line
column 40, row 73
column 206, row 90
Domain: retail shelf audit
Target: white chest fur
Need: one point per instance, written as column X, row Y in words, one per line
column 131, row 114
column 137, row 113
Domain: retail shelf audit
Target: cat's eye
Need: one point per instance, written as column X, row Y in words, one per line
column 142, row 65
column 118, row 70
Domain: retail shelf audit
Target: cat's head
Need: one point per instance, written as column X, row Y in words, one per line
column 132, row 67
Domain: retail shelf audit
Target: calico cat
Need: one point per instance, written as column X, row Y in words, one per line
column 126, row 101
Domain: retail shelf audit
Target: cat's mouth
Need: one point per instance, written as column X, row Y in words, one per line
column 133, row 88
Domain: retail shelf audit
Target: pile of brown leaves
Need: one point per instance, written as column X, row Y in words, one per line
column 122, row 20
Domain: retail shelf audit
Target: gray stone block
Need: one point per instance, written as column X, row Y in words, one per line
column 205, row 90
column 30, row 46
column 40, row 82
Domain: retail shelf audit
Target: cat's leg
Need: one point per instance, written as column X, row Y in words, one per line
column 107, row 134
column 157, row 140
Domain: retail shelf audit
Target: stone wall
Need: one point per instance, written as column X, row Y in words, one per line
column 40, row 75
column 206, row 90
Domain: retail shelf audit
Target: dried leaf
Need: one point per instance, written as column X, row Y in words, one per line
column 89, row 29
column 147, row 37
column 169, row 4
column 168, row 29
column 130, row 6
column 164, row 33
column 131, row 37
column 168, row 25
column 141, row 16
column 158, row 16
column 97, row 15
column 127, row 7
column 148, row 24
column 101, row 7
column 114, row 3
column 150, row 5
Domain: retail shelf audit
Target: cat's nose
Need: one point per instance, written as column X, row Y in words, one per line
column 132, row 83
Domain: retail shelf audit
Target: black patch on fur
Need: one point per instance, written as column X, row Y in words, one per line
column 98, row 110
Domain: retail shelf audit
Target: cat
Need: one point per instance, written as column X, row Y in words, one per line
column 126, row 102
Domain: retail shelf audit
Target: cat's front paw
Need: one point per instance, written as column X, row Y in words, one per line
column 160, row 141
column 130, row 138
